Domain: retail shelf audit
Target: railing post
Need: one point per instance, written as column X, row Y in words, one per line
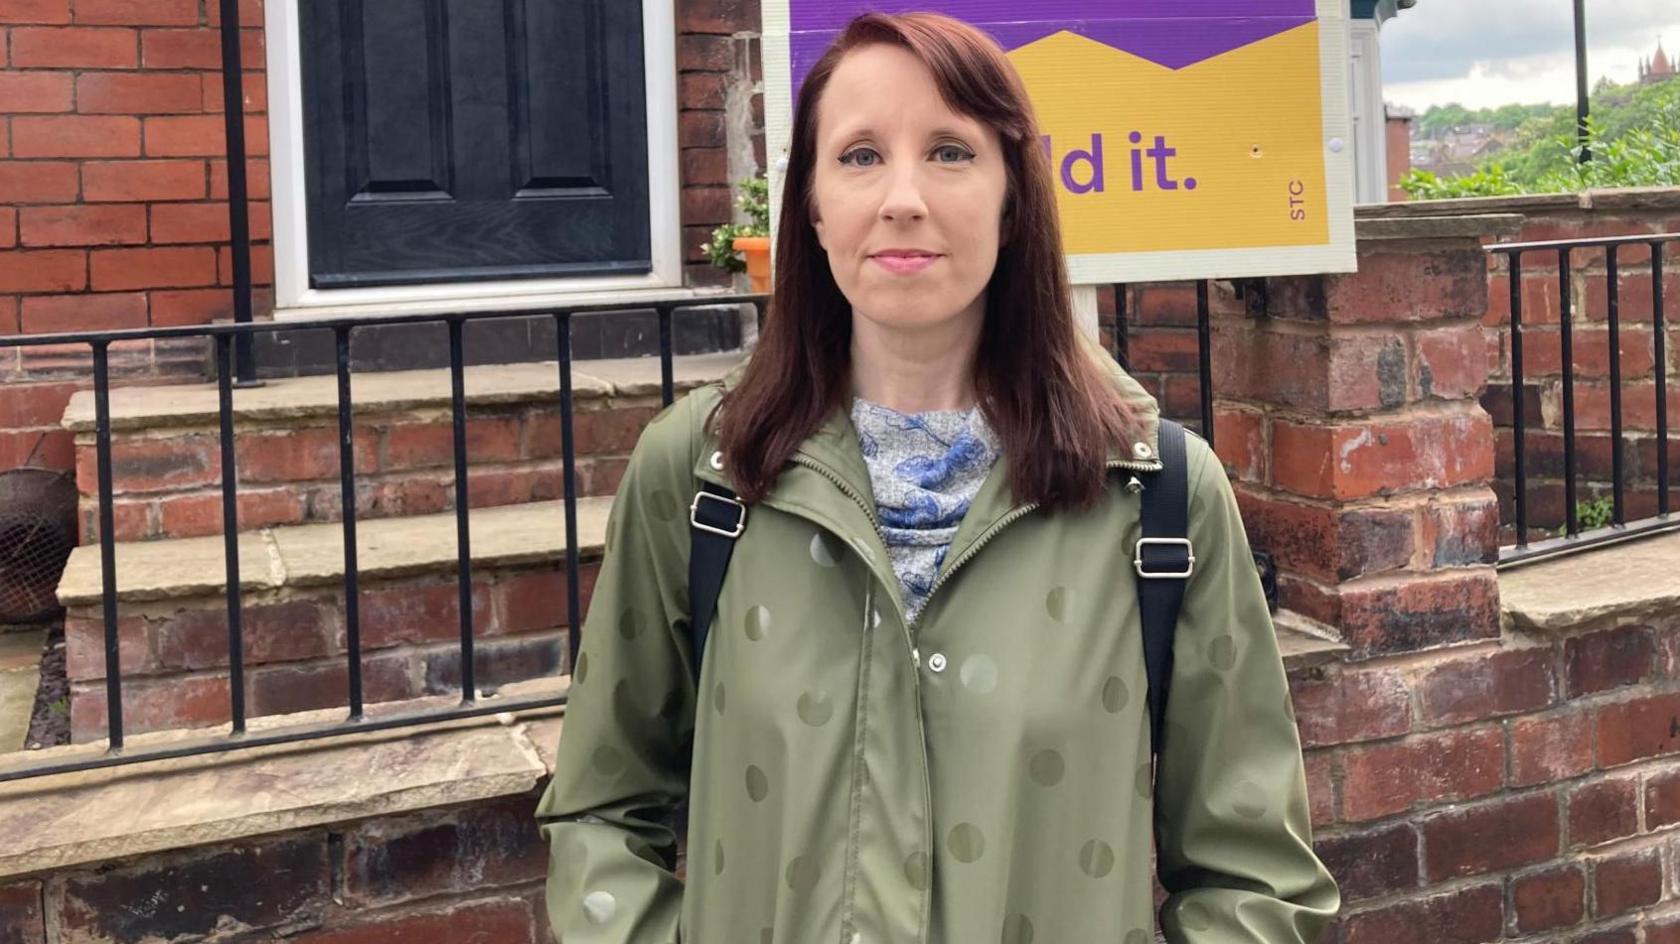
column 463, row 501
column 568, row 475
column 107, row 543
column 347, row 493
column 239, row 224
column 230, row 532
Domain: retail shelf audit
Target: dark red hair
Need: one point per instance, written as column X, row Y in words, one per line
column 1050, row 402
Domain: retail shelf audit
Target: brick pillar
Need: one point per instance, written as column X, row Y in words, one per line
column 1347, row 412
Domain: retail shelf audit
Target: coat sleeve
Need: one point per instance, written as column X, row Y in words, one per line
column 622, row 765
column 1233, row 834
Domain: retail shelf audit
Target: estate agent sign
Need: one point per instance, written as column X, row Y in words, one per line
column 1191, row 138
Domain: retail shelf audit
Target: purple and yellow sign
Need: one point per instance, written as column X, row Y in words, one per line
column 1191, row 138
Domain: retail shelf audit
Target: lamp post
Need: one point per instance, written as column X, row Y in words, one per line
column 1581, row 81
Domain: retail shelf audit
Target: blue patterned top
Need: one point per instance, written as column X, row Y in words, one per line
column 925, row 469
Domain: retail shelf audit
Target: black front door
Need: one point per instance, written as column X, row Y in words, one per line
column 460, row 140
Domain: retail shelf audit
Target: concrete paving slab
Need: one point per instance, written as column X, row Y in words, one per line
column 20, row 677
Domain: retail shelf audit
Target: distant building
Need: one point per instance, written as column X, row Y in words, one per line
column 1656, row 69
column 1460, row 149
column 1398, row 138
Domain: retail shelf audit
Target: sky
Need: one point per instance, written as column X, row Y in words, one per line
column 1483, row 53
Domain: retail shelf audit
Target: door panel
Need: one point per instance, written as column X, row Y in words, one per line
column 461, row 140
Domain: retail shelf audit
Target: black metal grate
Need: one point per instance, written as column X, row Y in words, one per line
column 37, row 532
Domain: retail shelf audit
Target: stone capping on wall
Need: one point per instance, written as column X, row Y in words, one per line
column 1531, row 204
column 1633, row 581
column 1444, row 226
column 98, row 815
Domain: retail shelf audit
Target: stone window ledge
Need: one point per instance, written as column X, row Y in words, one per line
column 1631, row 582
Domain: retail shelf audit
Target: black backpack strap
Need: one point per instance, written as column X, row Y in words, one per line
column 716, row 518
column 1163, row 560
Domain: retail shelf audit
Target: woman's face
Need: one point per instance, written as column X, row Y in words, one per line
column 907, row 194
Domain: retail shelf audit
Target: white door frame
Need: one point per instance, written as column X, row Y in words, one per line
column 294, row 299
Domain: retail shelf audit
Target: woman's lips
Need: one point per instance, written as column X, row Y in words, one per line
column 904, row 264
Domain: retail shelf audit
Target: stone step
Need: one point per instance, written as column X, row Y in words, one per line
column 172, row 622
column 166, row 452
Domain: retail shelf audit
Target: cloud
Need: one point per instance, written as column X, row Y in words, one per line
column 1491, row 52
column 1448, row 39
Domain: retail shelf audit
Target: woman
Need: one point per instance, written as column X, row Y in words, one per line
column 920, row 716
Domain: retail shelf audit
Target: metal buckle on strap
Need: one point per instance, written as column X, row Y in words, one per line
column 1189, row 564
column 694, row 514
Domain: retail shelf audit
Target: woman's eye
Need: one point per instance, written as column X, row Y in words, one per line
column 861, row 157
column 950, row 153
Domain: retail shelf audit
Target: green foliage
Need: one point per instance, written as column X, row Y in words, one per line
column 754, row 200
column 1599, row 512
column 1490, row 181
column 1440, row 119
column 1633, row 134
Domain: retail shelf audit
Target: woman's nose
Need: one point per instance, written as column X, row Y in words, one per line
column 903, row 199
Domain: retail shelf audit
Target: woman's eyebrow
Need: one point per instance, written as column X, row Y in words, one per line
column 943, row 131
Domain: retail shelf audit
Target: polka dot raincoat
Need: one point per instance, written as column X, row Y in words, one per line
column 979, row 775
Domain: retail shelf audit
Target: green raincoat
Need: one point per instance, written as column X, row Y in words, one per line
column 981, row 775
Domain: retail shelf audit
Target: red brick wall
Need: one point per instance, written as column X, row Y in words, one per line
column 113, row 190
column 174, row 661
column 469, row 872
column 113, row 182
column 1497, row 792
column 1161, row 342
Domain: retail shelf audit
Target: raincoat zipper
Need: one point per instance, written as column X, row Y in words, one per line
column 915, row 679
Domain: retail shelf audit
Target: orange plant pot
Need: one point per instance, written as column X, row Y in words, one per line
column 757, row 251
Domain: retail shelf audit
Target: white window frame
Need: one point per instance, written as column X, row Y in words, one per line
column 295, row 300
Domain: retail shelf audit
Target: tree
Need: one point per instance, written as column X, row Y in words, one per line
column 1633, row 132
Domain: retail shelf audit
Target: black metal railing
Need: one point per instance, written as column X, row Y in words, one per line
column 1619, row 528
column 225, row 337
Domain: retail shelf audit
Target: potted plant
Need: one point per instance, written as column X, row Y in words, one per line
column 745, row 247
